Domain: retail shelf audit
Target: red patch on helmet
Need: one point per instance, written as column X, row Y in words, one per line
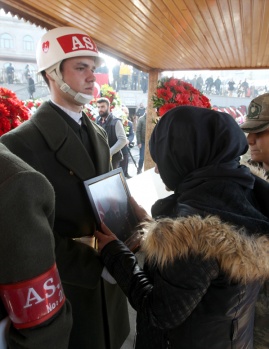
column 45, row 46
column 77, row 42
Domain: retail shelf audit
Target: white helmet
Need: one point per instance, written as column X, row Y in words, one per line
column 63, row 43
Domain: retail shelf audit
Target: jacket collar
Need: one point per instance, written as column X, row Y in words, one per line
column 243, row 258
column 62, row 140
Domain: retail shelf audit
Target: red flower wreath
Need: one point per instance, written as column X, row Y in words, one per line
column 172, row 92
column 91, row 109
column 108, row 92
column 12, row 111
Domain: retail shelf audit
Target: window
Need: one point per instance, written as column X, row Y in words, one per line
column 28, row 43
column 6, row 41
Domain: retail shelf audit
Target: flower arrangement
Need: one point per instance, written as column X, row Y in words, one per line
column 172, row 92
column 12, row 111
column 91, row 110
column 32, row 104
column 108, row 92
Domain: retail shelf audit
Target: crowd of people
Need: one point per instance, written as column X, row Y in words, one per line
column 204, row 278
column 12, row 75
column 230, row 88
column 126, row 77
column 27, row 77
column 121, row 138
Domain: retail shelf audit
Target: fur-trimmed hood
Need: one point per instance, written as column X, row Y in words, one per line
column 255, row 169
column 243, row 258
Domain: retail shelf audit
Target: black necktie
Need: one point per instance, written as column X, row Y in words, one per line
column 84, row 136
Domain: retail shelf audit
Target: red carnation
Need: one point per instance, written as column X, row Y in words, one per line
column 164, row 94
column 172, row 92
column 3, row 110
column 12, row 111
column 5, row 125
column 165, row 108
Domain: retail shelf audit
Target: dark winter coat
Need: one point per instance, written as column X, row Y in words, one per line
column 141, row 130
column 51, row 146
column 31, row 85
column 140, row 111
column 27, row 246
column 183, row 300
column 261, row 335
column 206, row 256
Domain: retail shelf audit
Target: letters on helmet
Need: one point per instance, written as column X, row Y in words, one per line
column 76, row 42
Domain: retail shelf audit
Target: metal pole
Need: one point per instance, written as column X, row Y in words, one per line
column 129, row 151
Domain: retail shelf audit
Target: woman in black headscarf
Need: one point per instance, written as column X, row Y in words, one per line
column 206, row 253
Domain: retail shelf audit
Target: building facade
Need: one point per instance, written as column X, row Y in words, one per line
column 18, row 41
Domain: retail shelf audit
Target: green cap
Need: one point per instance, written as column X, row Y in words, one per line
column 257, row 118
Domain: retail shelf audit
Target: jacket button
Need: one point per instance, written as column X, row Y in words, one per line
column 71, row 173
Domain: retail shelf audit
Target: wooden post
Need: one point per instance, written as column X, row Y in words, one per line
column 151, row 115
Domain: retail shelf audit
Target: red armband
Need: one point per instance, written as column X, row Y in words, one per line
column 32, row 302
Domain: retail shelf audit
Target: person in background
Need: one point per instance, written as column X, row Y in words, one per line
column 240, row 89
column 125, row 74
column 116, row 77
column 114, row 129
column 199, row 83
column 140, row 110
column 256, row 126
column 231, row 87
column 10, row 73
column 26, row 71
column 31, row 86
column 34, row 312
column 135, row 78
column 209, row 84
column 206, row 250
column 140, row 139
column 245, row 87
column 144, row 81
column 217, row 84
column 125, row 149
column 61, row 142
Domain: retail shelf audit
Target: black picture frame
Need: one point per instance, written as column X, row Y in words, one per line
column 109, row 197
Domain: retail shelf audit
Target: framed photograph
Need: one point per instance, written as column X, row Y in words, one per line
column 109, row 197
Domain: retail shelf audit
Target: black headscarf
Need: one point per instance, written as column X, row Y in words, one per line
column 191, row 145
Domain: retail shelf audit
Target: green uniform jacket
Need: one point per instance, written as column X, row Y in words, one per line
column 49, row 144
column 27, row 246
column 141, row 130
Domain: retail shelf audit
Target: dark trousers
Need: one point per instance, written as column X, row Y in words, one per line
column 141, row 156
column 124, row 163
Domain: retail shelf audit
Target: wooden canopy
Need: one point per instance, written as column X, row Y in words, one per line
column 163, row 35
